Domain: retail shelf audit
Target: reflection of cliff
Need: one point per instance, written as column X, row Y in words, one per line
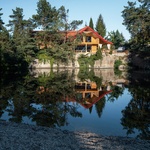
column 90, row 86
column 106, row 74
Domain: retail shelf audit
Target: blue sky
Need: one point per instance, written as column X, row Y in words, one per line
column 78, row 10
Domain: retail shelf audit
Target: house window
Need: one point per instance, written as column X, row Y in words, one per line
column 80, row 48
column 88, row 48
column 88, row 38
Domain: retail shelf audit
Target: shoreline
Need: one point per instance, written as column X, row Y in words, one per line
column 30, row 137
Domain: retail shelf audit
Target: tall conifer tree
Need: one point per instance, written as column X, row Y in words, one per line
column 91, row 23
column 51, row 20
column 100, row 26
column 23, row 43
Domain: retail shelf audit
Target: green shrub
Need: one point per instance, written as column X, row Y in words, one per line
column 117, row 64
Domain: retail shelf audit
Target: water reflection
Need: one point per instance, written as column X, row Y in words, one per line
column 137, row 113
column 50, row 97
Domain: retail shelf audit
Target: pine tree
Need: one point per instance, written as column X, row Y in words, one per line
column 4, row 38
column 100, row 26
column 23, row 43
column 56, row 45
column 1, row 21
column 46, row 17
column 91, row 23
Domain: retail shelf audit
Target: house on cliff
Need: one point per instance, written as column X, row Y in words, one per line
column 90, row 42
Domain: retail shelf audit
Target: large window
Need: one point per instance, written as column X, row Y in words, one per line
column 88, row 48
column 88, row 38
column 80, row 48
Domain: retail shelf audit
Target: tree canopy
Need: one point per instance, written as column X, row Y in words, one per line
column 54, row 21
column 19, row 46
column 137, row 21
column 117, row 38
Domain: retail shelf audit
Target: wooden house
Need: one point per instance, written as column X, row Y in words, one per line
column 90, row 40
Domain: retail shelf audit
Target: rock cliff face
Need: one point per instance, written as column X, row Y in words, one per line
column 107, row 62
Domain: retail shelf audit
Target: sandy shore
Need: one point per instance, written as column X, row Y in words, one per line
column 28, row 137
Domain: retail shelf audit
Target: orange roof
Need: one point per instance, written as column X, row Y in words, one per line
column 87, row 28
column 88, row 105
column 103, row 93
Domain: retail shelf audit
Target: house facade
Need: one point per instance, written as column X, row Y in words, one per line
column 91, row 41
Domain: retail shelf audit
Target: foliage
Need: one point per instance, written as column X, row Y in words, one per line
column 85, row 74
column 98, row 54
column 23, row 43
column 100, row 26
column 10, row 59
column 91, row 23
column 118, row 72
column 116, row 92
column 83, row 61
column 136, row 19
column 46, row 17
column 89, row 61
column 56, row 44
column 20, row 44
column 43, row 57
column 1, row 21
column 136, row 114
column 99, row 106
column 116, row 38
column 117, row 64
column 24, row 98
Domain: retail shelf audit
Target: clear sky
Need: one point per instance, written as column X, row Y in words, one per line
column 78, row 10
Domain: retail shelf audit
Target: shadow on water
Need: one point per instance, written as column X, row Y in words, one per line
column 50, row 97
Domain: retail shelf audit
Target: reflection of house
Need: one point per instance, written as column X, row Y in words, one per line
column 88, row 89
column 89, row 103
column 88, row 93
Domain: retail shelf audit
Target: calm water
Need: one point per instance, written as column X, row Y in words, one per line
column 100, row 101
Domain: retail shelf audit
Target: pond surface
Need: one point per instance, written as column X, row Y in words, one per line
column 100, row 101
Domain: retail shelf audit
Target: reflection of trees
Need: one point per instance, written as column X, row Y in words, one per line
column 54, row 114
column 137, row 114
column 116, row 92
column 23, row 93
column 89, row 74
column 100, row 106
column 54, row 111
column 9, row 85
column 3, row 105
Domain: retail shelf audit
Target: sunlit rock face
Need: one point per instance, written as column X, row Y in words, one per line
column 106, row 62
